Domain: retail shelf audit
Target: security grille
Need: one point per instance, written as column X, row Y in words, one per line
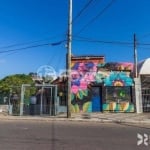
column 145, row 83
column 146, row 99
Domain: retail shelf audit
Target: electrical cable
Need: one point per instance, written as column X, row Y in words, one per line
column 99, row 14
column 82, row 10
column 33, row 46
column 27, row 43
column 84, row 39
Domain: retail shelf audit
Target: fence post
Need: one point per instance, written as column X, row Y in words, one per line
column 56, row 102
column 22, row 99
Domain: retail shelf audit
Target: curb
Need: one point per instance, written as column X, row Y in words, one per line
column 100, row 120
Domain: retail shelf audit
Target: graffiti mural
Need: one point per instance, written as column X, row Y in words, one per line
column 118, row 107
column 83, row 74
column 118, row 75
column 86, row 72
column 118, row 66
column 118, row 79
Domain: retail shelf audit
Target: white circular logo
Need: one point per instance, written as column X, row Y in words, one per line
column 46, row 71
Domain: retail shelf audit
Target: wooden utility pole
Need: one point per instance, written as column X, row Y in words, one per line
column 69, row 47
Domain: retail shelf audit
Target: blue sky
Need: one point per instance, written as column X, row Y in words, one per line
column 26, row 23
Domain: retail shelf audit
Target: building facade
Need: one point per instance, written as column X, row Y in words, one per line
column 144, row 75
column 97, row 86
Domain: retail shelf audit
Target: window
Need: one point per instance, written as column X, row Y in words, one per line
column 118, row 94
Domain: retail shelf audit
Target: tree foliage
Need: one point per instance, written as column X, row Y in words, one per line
column 14, row 82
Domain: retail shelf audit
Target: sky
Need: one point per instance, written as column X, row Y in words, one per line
column 33, row 33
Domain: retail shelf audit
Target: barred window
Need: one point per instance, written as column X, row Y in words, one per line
column 118, row 94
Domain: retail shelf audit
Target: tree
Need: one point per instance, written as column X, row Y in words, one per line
column 13, row 83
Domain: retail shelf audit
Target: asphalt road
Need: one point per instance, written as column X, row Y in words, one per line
column 59, row 135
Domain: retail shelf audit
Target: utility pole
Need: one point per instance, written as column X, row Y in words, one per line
column 135, row 56
column 137, row 81
column 69, row 47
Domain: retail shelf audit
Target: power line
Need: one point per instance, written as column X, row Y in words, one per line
column 27, row 43
column 143, row 44
column 52, row 58
column 142, row 47
column 99, row 14
column 20, row 44
column 8, row 54
column 82, row 10
column 33, row 46
column 85, row 39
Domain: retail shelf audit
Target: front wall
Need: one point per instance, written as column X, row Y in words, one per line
column 83, row 73
column 118, row 107
column 87, row 72
column 118, row 79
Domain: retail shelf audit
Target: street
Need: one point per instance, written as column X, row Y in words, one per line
column 65, row 135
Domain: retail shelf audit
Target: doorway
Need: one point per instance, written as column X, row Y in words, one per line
column 96, row 99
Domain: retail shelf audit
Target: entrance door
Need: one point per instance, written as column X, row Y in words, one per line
column 47, row 101
column 96, row 99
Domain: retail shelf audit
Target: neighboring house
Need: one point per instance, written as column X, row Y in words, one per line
column 98, row 86
column 144, row 74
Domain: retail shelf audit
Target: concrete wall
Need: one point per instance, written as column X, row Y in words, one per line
column 4, row 109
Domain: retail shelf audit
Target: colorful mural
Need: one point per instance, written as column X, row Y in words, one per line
column 83, row 74
column 118, row 79
column 95, row 71
column 118, row 66
column 118, row 107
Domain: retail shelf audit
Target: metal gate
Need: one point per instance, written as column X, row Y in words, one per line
column 146, row 99
column 38, row 99
column 145, row 84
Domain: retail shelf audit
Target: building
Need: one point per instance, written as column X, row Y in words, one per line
column 98, row 86
column 144, row 75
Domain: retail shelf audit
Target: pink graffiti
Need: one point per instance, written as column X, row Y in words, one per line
column 75, row 74
column 89, row 77
column 74, row 89
column 81, row 67
column 83, row 85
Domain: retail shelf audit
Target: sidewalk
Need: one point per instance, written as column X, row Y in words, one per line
column 134, row 118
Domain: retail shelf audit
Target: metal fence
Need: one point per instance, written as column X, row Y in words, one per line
column 31, row 100
column 38, row 100
column 146, row 99
column 10, row 100
column 145, row 84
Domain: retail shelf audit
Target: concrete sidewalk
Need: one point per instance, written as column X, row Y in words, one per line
column 134, row 118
